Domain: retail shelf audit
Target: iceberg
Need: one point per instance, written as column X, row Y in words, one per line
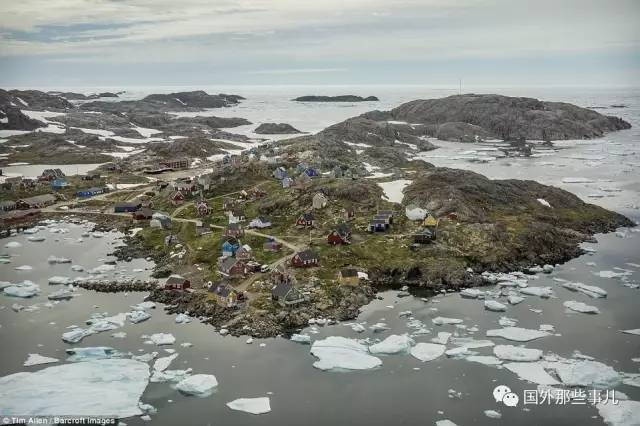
column 517, row 334
column 162, row 339
column 444, row 320
column 37, row 359
column 393, row 344
column 109, row 387
column 56, row 280
column 62, row 294
column 55, row 259
column 12, row 244
column 586, row 373
column 92, row 353
column 198, row 384
column 472, row 293
column 101, row 269
column 493, row 414
column 625, row 413
column 493, row 305
column 378, row 327
column 589, row 290
column 35, row 239
column 516, row 353
column 25, row 289
column 544, row 292
column 532, row 372
column 163, row 363
column 340, row 353
column 514, row 300
column 138, row 316
column 635, row 331
column 76, row 335
column 445, row 422
column 142, row 306
column 427, row 351
column 301, row 338
column 182, row 319
column 251, row 405
column 580, row 307
column 23, row 268
column 442, row 339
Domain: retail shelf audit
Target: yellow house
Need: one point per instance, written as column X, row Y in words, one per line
column 348, row 277
column 430, row 222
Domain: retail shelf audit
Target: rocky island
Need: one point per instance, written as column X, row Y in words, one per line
column 339, row 98
column 276, row 129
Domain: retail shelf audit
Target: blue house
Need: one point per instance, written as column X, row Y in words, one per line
column 90, row 192
column 229, row 248
column 311, row 172
column 286, row 182
column 59, row 184
column 280, row 173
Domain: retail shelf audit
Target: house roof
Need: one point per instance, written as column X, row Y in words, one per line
column 348, row 273
column 281, row 289
column 145, row 212
column 378, row 222
column 45, row 198
column 228, row 263
column 386, row 212
column 343, row 229
column 222, row 289
column 128, row 204
column 176, row 279
column 308, row 216
column 306, row 255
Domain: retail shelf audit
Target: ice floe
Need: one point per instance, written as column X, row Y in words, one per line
column 301, row 338
column 587, row 373
column 544, row 292
column 259, row 405
column 516, row 353
column 163, row 363
column 92, row 353
column 427, row 351
column 445, row 320
column 138, row 316
column 109, row 387
column 532, row 372
column 25, row 289
column 198, row 385
column 393, row 344
column 625, row 413
column 340, row 353
column 580, row 307
column 589, row 290
column 493, row 305
column 517, row 334
column 37, row 359
column 442, row 338
column 13, row 244
column 162, row 339
column 58, row 280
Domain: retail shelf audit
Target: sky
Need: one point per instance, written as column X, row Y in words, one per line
column 111, row 43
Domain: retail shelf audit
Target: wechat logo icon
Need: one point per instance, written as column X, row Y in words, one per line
column 503, row 394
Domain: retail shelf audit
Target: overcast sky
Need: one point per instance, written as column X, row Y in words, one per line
column 433, row 42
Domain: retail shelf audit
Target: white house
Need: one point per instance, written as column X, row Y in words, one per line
column 260, row 222
column 319, row 201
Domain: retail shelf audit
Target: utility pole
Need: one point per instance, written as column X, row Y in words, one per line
column 460, row 86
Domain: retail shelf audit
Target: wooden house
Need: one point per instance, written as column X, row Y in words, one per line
column 348, row 276
column 311, row 172
column 202, row 229
column 261, row 222
column 378, row 225
column 36, row 202
column 319, row 201
column 430, row 222
column 202, row 208
column 90, row 192
column 424, row 237
column 175, row 164
column 305, row 259
column 280, row 173
column 225, row 295
column 348, row 213
column 286, row 182
column 49, row 175
column 234, row 230
column 244, row 252
column 230, row 247
column 232, row 267
column 177, row 282
column 58, row 184
column 340, row 235
column 307, row 220
column 286, row 294
column 236, row 215
column 142, row 214
column 177, row 198
column 302, row 182
column 127, row 207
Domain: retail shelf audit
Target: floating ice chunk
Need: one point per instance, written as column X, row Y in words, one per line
column 76, row 335
column 100, row 323
column 589, row 290
column 587, row 373
column 444, row 320
column 142, row 306
column 138, row 316
column 472, row 293
column 55, row 280
column 442, row 339
column 471, row 343
column 92, row 353
column 358, row 328
column 514, row 300
column 147, row 357
column 339, row 353
column 37, row 359
column 101, row 269
column 393, row 344
column 301, row 338
column 532, row 372
column 635, row 331
column 378, row 327
column 55, row 259
column 23, row 268
column 493, row 414
column 162, row 339
column 173, row 376
column 12, row 244
column 445, row 422
column 544, row 292
column 516, row 353
column 507, row 322
column 484, row 359
column 163, row 363
column 62, row 294
column 109, row 387
column 77, row 268
column 198, row 384
column 581, row 307
column 612, row 274
column 36, row 239
column 493, row 305
column 625, row 413
column 517, row 334
column 182, row 318
column 251, row 405
column 25, row 289
column 427, row 351
column 577, row 180
column 119, row 335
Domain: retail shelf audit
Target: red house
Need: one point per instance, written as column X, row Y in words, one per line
column 142, row 214
column 177, row 198
column 176, row 282
column 340, row 235
column 305, row 259
column 306, row 220
column 203, row 208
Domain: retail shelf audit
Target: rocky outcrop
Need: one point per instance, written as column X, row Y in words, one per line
column 503, row 117
column 12, row 118
column 179, row 101
column 276, row 129
column 32, row 100
column 340, row 98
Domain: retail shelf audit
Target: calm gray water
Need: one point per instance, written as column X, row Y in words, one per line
column 397, row 392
